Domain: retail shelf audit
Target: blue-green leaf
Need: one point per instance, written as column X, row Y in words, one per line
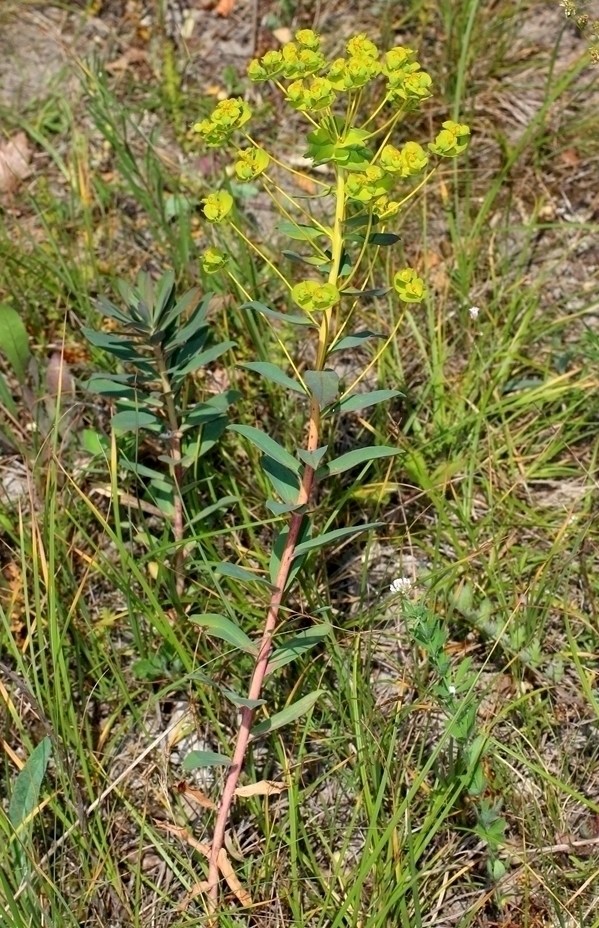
column 361, row 294
column 329, row 537
column 284, row 481
column 242, row 701
column 278, row 548
column 26, row 791
column 267, row 445
column 315, row 261
column 6, row 399
column 188, row 303
column 354, row 341
column 165, row 291
column 353, row 459
column 114, row 385
column 312, row 458
column 280, row 509
column 300, row 233
column 297, row 645
column 323, row 385
column 14, row 341
column 202, row 359
column 274, row 373
column 221, row 627
column 224, row 569
column 362, row 400
column 383, row 238
column 131, row 420
column 273, row 314
column 287, row 715
column 109, row 309
column 205, row 759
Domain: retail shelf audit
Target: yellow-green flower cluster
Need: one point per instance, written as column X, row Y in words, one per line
column 386, row 208
column 227, row 116
column 405, row 79
column 310, row 96
column 250, row 163
column 312, row 295
column 353, row 73
column 213, row 260
column 411, row 159
column 451, row 140
column 217, row 206
column 409, row 286
column 369, row 184
column 296, row 60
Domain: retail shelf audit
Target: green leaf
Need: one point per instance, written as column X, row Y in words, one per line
column 221, row 627
column 109, row 309
column 204, row 759
column 165, row 291
column 14, row 341
column 361, row 294
column 329, row 537
column 273, row 314
column 6, row 399
column 315, row 261
column 26, row 791
column 278, row 548
column 202, row 359
column 224, row 569
column 284, row 481
column 267, row 445
column 354, row 341
column 287, row 715
column 188, row 303
column 353, row 459
column 242, row 701
column 114, row 385
column 140, row 470
column 313, row 458
column 274, row 373
column 296, row 646
column 362, row 400
column 131, row 420
column 280, row 509
column 300, row 233
column 383, row 238
column 94, row 442
column 323, row 385
column 121, row 347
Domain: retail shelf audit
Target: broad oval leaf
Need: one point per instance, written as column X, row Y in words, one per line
column 267, row 445
column 353, row 459
column 221, row 627
column 287, row 715
column 28, row 783
column 131, row 420
column 323, row 385
column 354, row 341
column 362, row 400
column 14, row 341
column 274, row 373
column 297, row 645
column 281, row 509
column 205, row 759
column 329, row 537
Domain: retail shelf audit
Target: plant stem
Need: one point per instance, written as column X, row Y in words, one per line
column 176, row 467
column 295, row 524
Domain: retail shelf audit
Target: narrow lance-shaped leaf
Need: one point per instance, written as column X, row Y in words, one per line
column 273, row 314
column 313, row 458
column 273, row 372
column 284, row 481
column 297, row 645
column 353, row 459
column 202, row 359
column 221, row 627
column 336, row 535
column 204, row 759
column 290, row 714
column 278, row 548
column 354, row 341
column 363, row 400
column 131, row 420
column 267, row 445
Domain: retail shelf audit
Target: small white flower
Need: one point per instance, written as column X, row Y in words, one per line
column 401, row 585
column 473, row 312
column 452, row 690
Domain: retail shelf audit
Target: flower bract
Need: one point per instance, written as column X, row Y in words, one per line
column 251, row 163
column 312, row 295
column 217, row 206
column 409, row 286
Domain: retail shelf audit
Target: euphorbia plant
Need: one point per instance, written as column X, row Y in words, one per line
column 371, row 180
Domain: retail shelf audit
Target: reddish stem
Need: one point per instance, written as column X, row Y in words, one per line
column 247, row 714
